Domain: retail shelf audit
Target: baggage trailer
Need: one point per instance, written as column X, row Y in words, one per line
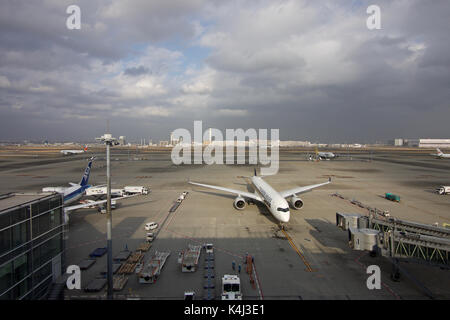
column 119, row 282
column 97, row 253
column 190, row 258
column 152, row 269
column 144, row 247
column 96, row 285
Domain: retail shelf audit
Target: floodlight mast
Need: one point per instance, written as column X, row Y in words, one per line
column 108, row 139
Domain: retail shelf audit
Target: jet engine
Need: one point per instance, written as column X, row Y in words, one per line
column 239, row 203
column 297, row 203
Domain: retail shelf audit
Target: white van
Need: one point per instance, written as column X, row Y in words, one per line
column 150, row 237
column 151, row 226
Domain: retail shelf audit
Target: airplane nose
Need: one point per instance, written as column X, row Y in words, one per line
column 285, row 217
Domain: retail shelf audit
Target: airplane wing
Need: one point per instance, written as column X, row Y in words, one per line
column 298, row 190
column 90, row 204
column 253, row 196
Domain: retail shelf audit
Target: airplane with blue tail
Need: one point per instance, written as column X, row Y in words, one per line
column 76, row 191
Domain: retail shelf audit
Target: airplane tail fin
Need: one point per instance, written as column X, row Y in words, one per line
column 85, row 148
column 255, row 172
column 85, row 178
column 439, row 151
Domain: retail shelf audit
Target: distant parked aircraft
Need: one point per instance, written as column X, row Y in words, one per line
column 325, row 155
column 70, row 152
column 440, row 154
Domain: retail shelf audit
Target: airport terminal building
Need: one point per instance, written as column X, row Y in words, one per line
column 429, row 143
column 31, row 244
column 421, row 143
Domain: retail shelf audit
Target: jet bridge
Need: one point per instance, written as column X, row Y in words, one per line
column 397, row 239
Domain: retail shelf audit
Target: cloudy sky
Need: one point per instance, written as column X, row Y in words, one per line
column 309, row 68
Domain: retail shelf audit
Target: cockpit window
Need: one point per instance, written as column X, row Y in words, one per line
column 283, row 209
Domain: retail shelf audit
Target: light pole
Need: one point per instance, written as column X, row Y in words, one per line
column 109, row 141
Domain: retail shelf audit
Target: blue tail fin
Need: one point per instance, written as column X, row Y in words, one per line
column 87, row 171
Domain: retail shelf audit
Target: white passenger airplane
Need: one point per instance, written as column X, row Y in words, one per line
column 69, row 152
column 440, row 154
column 76, row 191
column 326, row 155
column 274, row 200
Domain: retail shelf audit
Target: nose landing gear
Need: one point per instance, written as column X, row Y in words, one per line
column 282, row 226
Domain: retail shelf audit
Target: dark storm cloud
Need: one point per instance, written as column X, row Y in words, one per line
column 312, row 69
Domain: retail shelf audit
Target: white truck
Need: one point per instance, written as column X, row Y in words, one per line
column 135, row 189
column 209, row 248
column 99, row 191
column 443, row 190
column 231, row 287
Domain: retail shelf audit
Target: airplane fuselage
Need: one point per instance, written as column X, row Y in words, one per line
column 277, row 205
column 69, row 152
column 327, row 155
column 70, row 194
column 441, row 155
column 74, row 193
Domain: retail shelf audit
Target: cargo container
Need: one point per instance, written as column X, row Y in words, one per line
column 392, row 197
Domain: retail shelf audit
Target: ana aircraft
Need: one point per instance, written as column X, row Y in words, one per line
column 440, row 154
column 70, row 152
column 76, row 191
column 274, row 200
